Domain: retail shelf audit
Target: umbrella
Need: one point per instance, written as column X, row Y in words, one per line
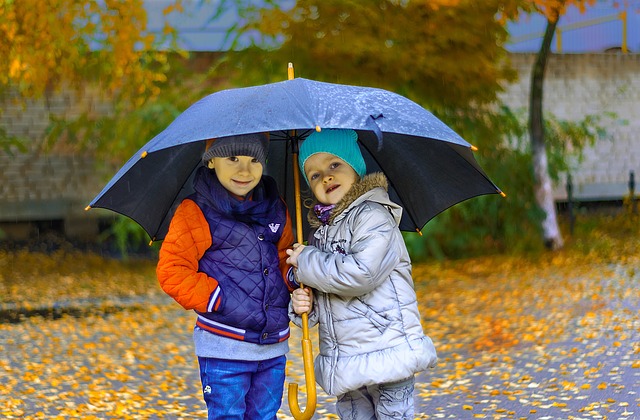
column 429, row 167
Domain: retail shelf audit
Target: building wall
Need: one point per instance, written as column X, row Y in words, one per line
column 40, row 186
column 577, row 85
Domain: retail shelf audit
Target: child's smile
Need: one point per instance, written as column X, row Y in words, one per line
column 238, row 174
column 331, row 188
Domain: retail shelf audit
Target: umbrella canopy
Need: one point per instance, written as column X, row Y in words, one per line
column 430, row 167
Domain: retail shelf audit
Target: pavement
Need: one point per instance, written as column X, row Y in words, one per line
column 133, row 358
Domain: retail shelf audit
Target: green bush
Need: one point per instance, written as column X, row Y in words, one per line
column 494, row 224
column 128, row 237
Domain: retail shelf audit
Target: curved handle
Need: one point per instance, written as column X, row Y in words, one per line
column 310, row 378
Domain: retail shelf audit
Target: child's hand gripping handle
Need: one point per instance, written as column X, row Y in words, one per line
column 307, row 353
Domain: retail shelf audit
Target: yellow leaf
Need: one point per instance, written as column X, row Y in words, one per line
column 603, row 385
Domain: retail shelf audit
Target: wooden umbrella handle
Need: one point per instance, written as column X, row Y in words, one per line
column 307, row 349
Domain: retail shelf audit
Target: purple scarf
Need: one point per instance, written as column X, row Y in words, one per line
column 323, row 212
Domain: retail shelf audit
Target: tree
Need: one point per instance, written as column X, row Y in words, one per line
column 552, row 10
column 449, row 56
column 543, row 187
column 45, row 46
column 97, row 45
column 551, row 232
column 446, row 55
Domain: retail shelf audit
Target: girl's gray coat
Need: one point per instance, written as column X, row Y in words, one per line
column 364, row 300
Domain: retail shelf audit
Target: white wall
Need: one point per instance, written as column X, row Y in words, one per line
column 579, row 85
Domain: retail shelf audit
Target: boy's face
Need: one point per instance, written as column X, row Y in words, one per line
column 330, row 177
column 238, row 174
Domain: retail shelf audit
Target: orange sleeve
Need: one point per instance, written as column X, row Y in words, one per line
column 285, row 242
column 186, row 242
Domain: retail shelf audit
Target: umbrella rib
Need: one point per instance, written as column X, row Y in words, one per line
column 476, row 167
column 135, row 219
column 406, row 211
column 155, row 234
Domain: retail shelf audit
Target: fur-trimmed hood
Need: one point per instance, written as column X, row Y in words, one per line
column 358, row 193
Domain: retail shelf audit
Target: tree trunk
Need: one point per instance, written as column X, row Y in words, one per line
column 542, row 180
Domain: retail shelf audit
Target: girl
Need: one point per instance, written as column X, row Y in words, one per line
column 371, row 339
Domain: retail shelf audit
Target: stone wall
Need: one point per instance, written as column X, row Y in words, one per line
column 577, row 85
column 39, row 186
column 42, row 185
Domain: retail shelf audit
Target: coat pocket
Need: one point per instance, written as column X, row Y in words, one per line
column 365, row 311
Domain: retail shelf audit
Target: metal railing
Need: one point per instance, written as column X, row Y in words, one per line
column 622, row 16
column 630, row 201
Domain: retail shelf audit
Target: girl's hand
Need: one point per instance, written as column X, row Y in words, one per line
column 302, row 300
column 293, row 254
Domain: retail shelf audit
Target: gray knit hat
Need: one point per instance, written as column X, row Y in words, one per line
column 254, row 145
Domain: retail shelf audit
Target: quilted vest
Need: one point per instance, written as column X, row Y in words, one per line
column 243, row 258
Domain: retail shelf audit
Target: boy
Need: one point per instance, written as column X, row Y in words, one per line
column 224, row 257
column 371, row 339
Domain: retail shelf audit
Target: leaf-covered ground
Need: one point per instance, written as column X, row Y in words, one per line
column 553, row 336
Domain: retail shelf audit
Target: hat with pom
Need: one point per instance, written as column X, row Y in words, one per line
column 342, row 143
column 254, row 145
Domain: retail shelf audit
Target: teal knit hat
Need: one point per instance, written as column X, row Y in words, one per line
column 338, row 142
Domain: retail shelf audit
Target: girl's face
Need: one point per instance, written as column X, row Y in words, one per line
column 330, row 177
column 238, row 174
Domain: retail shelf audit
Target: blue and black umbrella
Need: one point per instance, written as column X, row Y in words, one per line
column 429, row 167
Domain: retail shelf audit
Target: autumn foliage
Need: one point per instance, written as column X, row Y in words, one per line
column 549, row 335
column 443, row 54
column 46, row 45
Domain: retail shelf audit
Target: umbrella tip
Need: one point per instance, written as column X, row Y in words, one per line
column 143, row 154
column 290, row 71
column 151, row 242
column 503, row 194
column 419, row 231
column 474, row 148
column 318, row 129
column 87, row 208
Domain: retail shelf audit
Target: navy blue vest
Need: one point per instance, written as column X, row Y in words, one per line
column 243, row 258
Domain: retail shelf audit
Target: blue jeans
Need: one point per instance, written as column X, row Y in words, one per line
column 238, row 389
column 388, row 401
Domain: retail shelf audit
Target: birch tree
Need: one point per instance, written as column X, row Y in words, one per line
column 552, row 10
